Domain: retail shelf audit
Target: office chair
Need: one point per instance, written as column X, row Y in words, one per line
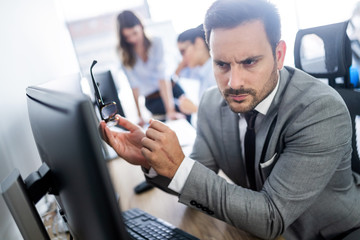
column 325, row 52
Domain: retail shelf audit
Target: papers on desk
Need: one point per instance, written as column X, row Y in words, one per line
column 357, row 133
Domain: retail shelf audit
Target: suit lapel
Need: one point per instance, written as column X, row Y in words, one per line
column 266, row 128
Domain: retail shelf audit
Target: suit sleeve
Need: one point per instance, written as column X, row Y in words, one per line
column 315, row 141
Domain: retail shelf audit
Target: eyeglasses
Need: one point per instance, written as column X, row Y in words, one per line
column 107, row 111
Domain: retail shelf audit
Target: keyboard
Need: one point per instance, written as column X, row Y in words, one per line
column 142, row 225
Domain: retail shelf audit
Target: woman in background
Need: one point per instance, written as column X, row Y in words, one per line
column 143, row 62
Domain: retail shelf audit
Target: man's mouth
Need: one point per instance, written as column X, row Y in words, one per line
column 238, row 98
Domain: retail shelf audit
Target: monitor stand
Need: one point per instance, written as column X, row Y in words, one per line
column 21, row 198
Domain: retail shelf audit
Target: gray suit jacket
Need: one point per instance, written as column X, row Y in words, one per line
column 306, row 188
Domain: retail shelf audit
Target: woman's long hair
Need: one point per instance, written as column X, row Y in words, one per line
column 128, row 19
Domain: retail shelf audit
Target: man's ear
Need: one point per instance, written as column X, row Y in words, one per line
column 280, row 52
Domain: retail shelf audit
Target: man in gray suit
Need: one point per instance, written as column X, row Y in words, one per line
column 299, row 182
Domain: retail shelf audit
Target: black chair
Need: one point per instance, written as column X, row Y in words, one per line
column 325, row 52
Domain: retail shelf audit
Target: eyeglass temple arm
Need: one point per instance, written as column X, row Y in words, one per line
column 99, row 99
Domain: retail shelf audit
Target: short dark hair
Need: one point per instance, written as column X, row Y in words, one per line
column 192, row 34
column 231, row 13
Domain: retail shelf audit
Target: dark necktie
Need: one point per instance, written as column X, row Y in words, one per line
column 250, row 147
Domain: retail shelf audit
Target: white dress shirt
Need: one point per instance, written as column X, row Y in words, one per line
column 145, row 75
column 204, row 74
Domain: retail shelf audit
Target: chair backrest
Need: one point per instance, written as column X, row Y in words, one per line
column 325, row 52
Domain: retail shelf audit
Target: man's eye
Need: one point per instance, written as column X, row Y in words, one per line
column 249, row 62
column 222, row 64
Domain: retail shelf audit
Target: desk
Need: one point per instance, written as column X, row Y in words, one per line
column 166, row 206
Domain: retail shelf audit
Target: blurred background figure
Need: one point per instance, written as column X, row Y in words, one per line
column 196, row 64
column 143, row 63
column 142, row 60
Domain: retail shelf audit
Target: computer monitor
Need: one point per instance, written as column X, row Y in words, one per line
column 70, row 83
column 65, row 130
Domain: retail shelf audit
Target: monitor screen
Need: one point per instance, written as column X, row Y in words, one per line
column 65, row 130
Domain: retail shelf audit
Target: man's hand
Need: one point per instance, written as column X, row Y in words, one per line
column 162, row 149
column 126, row 144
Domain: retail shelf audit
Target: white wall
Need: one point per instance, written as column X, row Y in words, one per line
column 35, row 47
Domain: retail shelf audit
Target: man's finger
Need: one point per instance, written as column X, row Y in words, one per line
column 149, row 144
column 147, row 154
column 126, row 123
column 151, row 158
column 153, row 134
column 159, row 126
column 110, row 137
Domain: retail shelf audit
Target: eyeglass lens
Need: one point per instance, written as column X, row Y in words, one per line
column 108, row 112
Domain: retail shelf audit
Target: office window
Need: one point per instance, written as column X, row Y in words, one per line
column 92, row 27
column 184, row 14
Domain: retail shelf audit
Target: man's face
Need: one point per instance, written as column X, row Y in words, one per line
column 188, row 53
column 244, row 65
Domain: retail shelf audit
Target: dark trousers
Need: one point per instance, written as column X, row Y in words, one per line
column 155, row 105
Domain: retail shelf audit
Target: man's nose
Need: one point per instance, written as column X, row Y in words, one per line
column 236, row 79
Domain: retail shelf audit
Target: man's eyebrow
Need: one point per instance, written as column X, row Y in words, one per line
column 219, row 62
column 249, row 59
column 244, row 61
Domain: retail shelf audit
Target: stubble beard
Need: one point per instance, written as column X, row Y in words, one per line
column 254, row 97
